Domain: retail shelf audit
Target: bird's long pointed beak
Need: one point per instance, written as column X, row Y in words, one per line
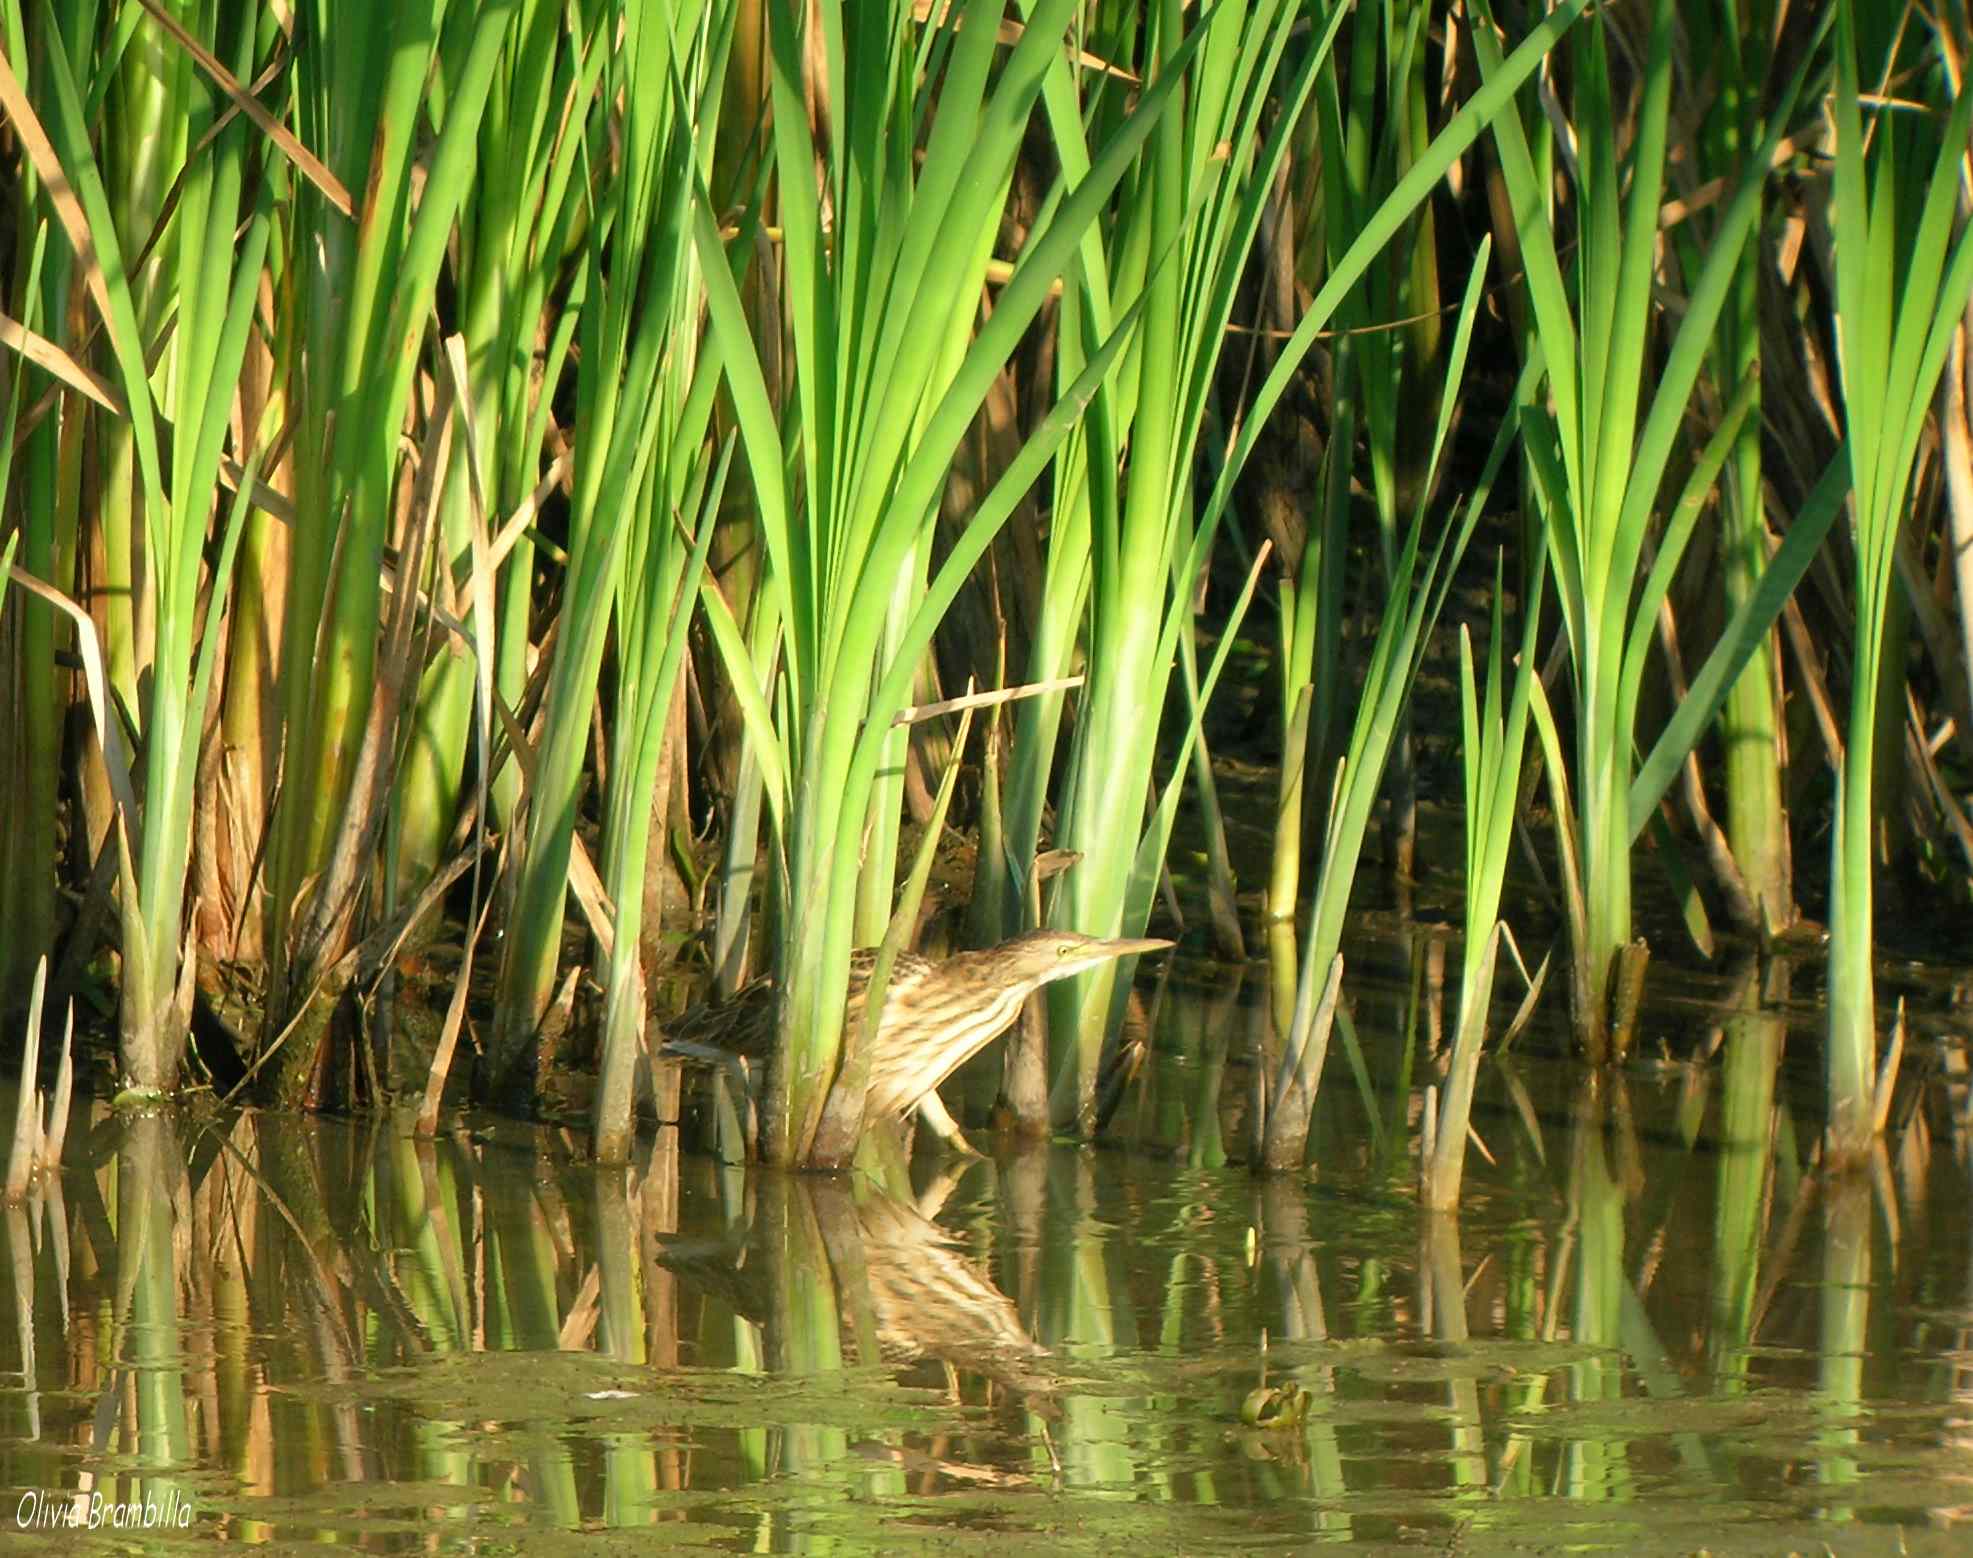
column 1112, row 948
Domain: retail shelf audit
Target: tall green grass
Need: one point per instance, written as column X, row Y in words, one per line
column 380, row 375
column 888, row 371
column 1737, row 38
column 212, row 285
column 30, row 700
column 1600, row 436
column 1420, row 579
column 1493, row 736
column 1175, row 246
column 355, row 297
column 1902, row 283
column 1373, row 123
column 644, row 394
column 516, row 224
column 1094, row 904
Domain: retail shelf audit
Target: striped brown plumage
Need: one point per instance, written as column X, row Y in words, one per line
column 937, row 1015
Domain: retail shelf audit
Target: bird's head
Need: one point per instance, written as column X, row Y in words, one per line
column 1043, row 956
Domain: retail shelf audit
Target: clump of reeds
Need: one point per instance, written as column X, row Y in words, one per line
column 513, row 466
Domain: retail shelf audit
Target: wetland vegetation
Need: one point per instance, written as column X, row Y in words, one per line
column 520, row 517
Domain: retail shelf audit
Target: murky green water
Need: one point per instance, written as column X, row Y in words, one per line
column 1653, row 1328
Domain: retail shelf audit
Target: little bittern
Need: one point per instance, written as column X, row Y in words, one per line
column 936, row 1016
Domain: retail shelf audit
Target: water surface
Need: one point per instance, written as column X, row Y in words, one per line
column 1653, row 1326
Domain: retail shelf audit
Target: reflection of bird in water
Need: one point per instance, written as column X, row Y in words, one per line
column 925, row 1298
column 936, row 1016
column 930, row 1301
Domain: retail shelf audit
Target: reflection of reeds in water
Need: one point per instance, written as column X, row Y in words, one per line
column 353, row 1309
